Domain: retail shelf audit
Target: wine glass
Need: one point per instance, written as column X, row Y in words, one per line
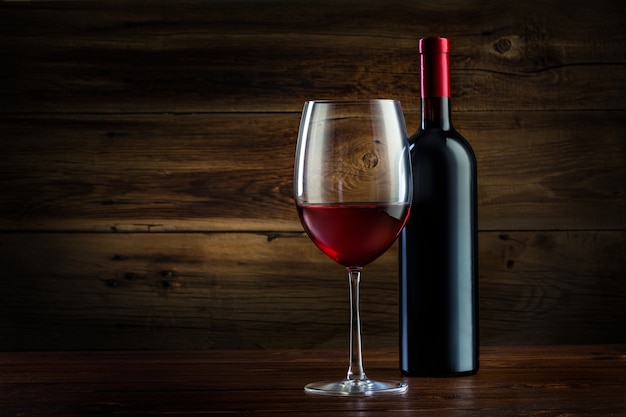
column 353, row 190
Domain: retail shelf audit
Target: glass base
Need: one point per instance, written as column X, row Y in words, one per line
column 356, row 387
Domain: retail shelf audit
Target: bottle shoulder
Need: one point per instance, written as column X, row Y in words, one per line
column 434, row 133
column 440, row 141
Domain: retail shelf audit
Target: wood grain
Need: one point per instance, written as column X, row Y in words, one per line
column 253, row 56
column 537, row 170
column 236, row 290
column 513, row 381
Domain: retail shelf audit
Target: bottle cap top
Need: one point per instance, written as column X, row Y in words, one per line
column 433, row 45
column 434, row 67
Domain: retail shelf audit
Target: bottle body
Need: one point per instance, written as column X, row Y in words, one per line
column 438, row 256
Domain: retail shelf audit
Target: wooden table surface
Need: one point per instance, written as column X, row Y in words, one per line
column 513, row 381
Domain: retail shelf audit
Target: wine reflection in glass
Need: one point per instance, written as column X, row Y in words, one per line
column 353, row 190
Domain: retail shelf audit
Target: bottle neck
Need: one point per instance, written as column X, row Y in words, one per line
column 436, row 113
column 435, row 83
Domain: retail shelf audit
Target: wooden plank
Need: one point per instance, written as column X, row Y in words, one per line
column 210, row 172
column 194, row 56
column 182, row 117
column 513, row 381
column 248, row 291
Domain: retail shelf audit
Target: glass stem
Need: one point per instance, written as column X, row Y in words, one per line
column 356, row 371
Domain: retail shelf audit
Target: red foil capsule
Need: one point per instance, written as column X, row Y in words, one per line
column 434, row 67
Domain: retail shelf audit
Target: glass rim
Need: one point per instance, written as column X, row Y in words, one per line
column 352, row 101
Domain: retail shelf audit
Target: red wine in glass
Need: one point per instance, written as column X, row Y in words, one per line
column 353, row 235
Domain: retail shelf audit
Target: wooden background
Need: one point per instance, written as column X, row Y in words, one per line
column 147, row 158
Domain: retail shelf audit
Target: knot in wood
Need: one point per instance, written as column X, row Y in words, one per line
column 169, row 284
column 503, row 45
column 370, row 160
column 112, row 283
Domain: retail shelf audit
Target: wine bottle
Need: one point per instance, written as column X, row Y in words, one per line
column 438, row 247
